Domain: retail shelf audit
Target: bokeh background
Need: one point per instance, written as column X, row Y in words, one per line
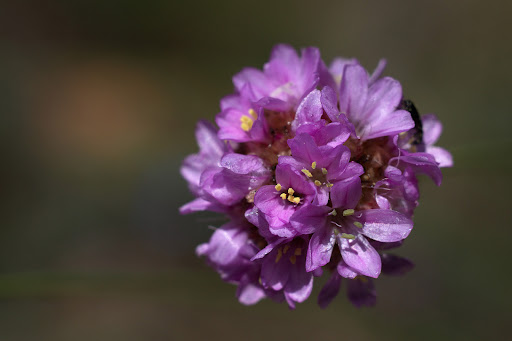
column 98, row 105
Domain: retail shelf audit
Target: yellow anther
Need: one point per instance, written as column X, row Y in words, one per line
column 358, row 224
column 290, row 198
column 348, row 212
column 253, row 113
column 279, row 254
column 293, row 259
column 318, row 183
column 347, row 236
column 296, row 200
column 313, row 165
column 246, row 123
column 324, row 171
column 333, row 213
column 286, row 248
column 308, row 173
column 291, row 191
column 329, row 185
column 278, row 187
column 283, row 196
column 298, row 251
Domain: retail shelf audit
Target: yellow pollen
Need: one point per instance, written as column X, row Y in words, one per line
column 313, row 165
column 290, row 198
column 358, row 224
column 298, row 251
column 318, row 183
column 333, row 213
column 308, row 173
column 286, row 248
column 279, row 254
column 296, row 200
column 246, row 123
column 329, row 185
column 348, row 212
column 293, row 259
column 278, row 187
column 291, row 191
column 347, row 236
column 253, row 113
column 283, row 196
column 324, row 171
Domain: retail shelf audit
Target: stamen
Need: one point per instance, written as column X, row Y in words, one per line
column 348, row 212
column 283, row 196
column 278, row 187
column 324, row 171
column 246, row 123
column 329, row 185
column 279, row 254
column 318, row 183
column 253, row 113
column 313, row 165
column 293, row 259
column 291, row 191
column 348, row 236
column 308, row 173
column 298, row 251
column 296, row 200
column 358, row 224
column 333, row 213
column 286, row 248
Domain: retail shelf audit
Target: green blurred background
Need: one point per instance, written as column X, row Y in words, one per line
column 99, row 101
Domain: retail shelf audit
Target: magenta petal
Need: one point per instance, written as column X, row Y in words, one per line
column 209, row 143
column 320, row 248
column 378, row 71
column 310, row 109
column 423, row 163
column 354, row 92
column 385, row 225
column 432, row 129
column 249, row 293
column 309, row 219
column 300, row 282
column 346, row 194
column 329, row 101
column 274, row 274
column 360, row 255
column 201, row 205
column 442, row 156
column 273, row 104
column 304, row 148
column 256, row 79
column 345, row 271
column 395, row 123
column 330, row 290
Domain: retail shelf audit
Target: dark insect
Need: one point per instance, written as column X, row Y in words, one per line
column 418, row 126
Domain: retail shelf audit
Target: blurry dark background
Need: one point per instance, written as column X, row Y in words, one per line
column 98, row 103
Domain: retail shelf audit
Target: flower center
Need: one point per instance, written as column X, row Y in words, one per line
column 318, row 176
column 288, row 195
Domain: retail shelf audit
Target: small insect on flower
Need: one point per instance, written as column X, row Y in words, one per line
column 316, row 168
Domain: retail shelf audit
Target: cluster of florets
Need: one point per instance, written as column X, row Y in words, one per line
column 315, row 167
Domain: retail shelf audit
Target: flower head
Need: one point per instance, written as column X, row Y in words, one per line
column 316, row 167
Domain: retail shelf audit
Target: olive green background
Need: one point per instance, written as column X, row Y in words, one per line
column 98, row 102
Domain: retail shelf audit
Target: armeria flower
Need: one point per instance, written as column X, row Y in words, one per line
column 316, row 168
